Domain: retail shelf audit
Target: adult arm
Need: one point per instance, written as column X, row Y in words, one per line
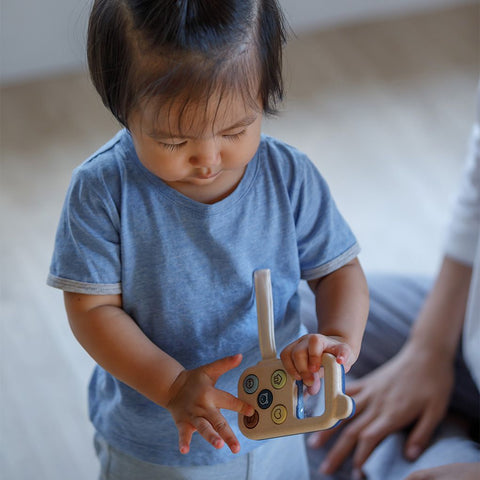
column 458, row 471
column 414, row 386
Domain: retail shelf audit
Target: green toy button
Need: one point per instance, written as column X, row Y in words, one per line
column 278, row 379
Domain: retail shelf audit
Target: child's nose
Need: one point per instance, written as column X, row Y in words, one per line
column 206, row 155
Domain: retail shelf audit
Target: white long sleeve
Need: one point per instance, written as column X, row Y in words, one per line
column 464, row 231
column 463, row 244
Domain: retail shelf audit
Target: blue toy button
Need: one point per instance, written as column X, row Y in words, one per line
column 250, row 383
column 265, row 399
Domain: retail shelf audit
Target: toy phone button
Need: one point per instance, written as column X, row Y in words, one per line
column 250, row 384
column 252, row 421
column 278, row 379
column 279, row 414
column 265, row 399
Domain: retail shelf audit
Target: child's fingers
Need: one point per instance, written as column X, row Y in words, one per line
column 315, row 348
column 207, row 431
column 230, row 402
column 287, row 360
column 216, row 369
column 297, row 361
column 185, row 432
column 216, row 431
column 306, row 357
column 300, row 359
column 303, row 358
column 315, row 387
column 343, row 354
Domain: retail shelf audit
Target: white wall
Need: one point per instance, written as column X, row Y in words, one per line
column 39, row 38
column 310, row 14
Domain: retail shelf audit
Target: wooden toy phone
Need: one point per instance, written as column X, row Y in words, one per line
column 276, row 396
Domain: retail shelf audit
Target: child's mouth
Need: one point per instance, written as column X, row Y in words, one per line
column 207, row 176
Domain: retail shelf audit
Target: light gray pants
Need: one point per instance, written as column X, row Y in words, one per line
column 278, row 459
column 394, row 304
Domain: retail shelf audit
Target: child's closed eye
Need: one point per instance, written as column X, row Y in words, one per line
column 233, row 137
column 172, row 147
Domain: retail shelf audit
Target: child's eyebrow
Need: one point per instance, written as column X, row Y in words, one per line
column 244, row 122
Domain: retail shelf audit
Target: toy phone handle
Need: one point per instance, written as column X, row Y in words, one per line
column 264, row 298
column 338, row 405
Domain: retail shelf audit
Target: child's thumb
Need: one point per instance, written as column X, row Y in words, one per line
column 217, row 368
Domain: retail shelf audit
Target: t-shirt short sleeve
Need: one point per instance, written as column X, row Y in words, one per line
column 86, row 257
column 325, row 241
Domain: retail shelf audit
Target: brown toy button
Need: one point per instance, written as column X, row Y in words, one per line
column 252, row 421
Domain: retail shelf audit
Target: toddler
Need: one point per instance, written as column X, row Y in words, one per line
column 163, row 227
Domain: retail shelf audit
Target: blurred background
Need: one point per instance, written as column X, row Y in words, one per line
column 380, row 94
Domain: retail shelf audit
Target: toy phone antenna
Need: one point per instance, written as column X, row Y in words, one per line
column 263, row 294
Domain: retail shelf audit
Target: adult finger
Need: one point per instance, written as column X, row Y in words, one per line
column 421, row 433
column 345, row 443
column 371, row 436
column 353, row 387
column 319, row 439
column 362, row 399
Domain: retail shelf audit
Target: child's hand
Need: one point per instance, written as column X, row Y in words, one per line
column 195, row 404
column 302, row 358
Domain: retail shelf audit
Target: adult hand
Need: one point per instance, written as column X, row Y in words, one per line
column 458, row 471
column 414, row 387
column 195, row 405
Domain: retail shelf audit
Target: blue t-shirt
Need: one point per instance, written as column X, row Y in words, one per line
column 185, row 272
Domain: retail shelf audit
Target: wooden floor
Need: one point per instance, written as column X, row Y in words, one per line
column 383, row 109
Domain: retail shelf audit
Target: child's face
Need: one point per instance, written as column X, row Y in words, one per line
column 207, row 159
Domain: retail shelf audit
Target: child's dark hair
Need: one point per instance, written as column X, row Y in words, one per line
column 185, row 49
